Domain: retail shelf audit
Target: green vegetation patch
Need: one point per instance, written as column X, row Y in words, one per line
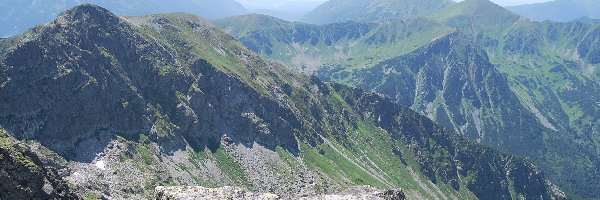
column 231, row 168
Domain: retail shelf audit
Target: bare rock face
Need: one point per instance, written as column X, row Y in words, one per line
column 200, row 193
column 193, row 193
column 364, row 193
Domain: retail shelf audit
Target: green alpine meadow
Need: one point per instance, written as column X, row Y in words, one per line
column 356, row 99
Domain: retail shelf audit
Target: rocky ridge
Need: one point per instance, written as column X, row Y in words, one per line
column 197, row 193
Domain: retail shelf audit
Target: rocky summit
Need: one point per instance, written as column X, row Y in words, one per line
column 96, row 106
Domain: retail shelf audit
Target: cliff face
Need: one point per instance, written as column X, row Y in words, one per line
column 122, row 105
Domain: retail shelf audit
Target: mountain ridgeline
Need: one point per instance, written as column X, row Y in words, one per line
column 370, row 10
column 559, row 10
column 524, row 87
column 16, row 16
column 309, row 47
column 120, row 105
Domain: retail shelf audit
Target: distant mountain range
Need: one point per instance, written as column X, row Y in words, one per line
column 369, row 10
column 287, row 10
column 18, row 15
column 559, row 10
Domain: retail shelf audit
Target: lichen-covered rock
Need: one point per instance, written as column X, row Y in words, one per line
column 200, row 193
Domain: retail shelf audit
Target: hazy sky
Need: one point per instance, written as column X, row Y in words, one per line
column 276, row 3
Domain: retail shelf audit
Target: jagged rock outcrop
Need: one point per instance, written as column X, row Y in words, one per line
column 198, row 193
column 23, row 175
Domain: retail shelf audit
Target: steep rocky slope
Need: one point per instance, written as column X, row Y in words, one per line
column 121, row 105
column 452, row 82
column 552, row 70
column 371, row 10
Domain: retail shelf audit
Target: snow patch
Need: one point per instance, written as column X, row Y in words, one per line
column 100, row 165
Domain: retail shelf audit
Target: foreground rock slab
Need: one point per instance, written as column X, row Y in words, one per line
column 201, row 193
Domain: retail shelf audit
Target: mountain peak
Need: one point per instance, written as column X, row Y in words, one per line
column 478, row 7
column 476, row 15
column 88, row 14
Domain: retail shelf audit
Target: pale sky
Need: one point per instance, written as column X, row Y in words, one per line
column 276, row 3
